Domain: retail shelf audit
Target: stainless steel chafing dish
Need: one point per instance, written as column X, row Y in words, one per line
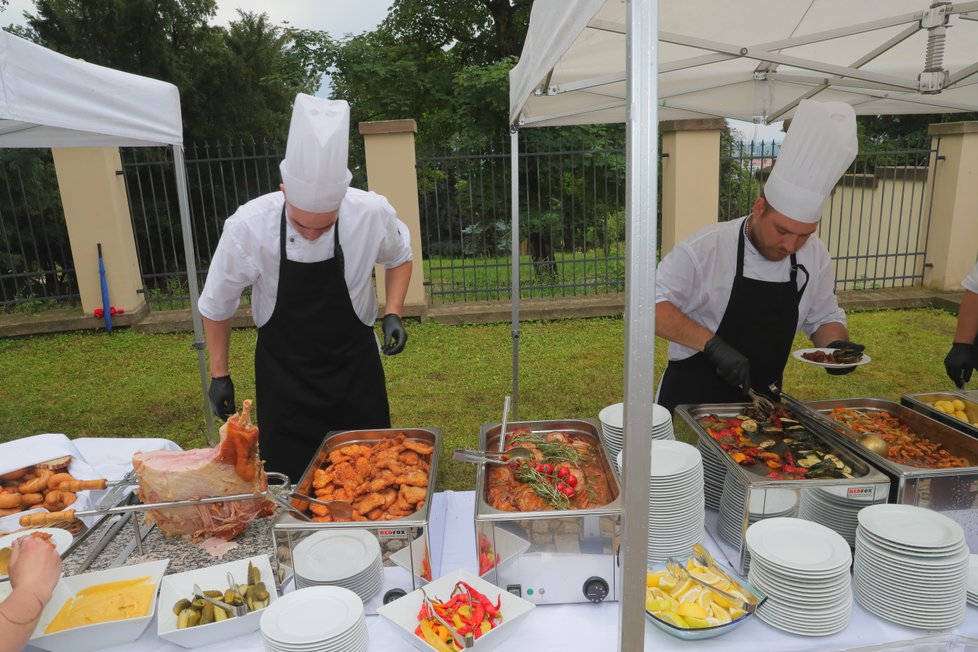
column 922, row 402
column 552, row 557
column 404, row 542
column 951, row 491
column 747, row 496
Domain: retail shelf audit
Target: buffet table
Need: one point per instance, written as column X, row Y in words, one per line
column 566, row 628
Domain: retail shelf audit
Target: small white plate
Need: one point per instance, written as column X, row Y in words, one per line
column 797, row 545
column 60, row 538
column 797, row 355
column 316, row 614
column 335, row 555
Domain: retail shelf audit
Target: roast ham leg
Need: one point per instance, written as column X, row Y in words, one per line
column 231, row 467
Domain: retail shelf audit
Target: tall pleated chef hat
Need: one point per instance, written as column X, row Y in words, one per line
column 314, row 169
column 819, row 147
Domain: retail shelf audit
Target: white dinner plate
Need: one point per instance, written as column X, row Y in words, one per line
column 798, row 545
column 312, row 615
column 335, row 555
column 907, row 525
column 612, row 415
column 797, row 355
column 60, row 538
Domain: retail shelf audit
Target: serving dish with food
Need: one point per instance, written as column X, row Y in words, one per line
column 385, row 478
column 929, row 463
column 950, row 408
column 565, row 501
column 777, row 464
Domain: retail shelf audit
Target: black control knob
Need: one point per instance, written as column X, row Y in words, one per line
column 394, row 594
column 596, row 589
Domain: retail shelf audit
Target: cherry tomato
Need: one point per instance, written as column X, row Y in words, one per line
column 562, row 472
column 571, row 480
column 538, row 467
column 566, row 490
column 547, row 468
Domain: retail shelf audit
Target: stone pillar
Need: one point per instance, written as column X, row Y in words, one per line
column 389, row 149
column 952, row 245
column 690, row 177
column 93, row 194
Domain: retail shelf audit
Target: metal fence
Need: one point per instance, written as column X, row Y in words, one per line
column 572, row 218
column 875, row 223
column 572, row 223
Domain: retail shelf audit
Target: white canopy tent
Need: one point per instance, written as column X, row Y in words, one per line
column 50, row 100
column 599, row 61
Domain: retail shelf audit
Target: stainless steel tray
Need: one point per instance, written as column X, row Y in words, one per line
column 956, row 442
column 489, row 440
column 338, row 439
column 921, row 402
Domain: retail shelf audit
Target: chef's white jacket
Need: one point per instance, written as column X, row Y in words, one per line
column 248, row 254
column 970, row 282
column 697, row 276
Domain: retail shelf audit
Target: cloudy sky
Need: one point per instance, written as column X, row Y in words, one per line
column 339, row 18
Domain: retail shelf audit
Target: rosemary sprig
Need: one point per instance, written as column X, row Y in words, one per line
column 537, row 481
column 552, row 451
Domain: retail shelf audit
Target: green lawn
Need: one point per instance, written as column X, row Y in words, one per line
column 450, row 377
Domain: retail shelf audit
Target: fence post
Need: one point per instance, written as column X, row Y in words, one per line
column 951, row 245
column 93, row 195
column 389, row 151
column 690, row 177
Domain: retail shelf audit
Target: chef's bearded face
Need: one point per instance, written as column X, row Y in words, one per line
column 310, row 225
column 775, row 235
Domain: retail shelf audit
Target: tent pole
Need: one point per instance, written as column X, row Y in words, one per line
column 188, row 249
column 641, row 190
column 514, row 160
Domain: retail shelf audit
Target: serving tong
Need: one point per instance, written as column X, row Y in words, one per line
column 676, row 569
column 231, row 609
column 492, row 457
column 463, row 641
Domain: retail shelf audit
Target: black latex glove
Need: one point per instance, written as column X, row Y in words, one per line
column 731, row 364
column 221, row 395
column 843, row 344
column 960, row 361
column 395, row 337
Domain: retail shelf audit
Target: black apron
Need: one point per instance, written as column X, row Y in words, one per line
column 760, row 321
column 317, row 367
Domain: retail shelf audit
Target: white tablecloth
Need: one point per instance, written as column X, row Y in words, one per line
column 594, row 627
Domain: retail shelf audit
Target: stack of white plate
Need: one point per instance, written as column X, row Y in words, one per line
column 769, row 503
column 803, row 568
column 836, row 507
column 612, row 420
column 911, row 566
column 973, row 580
column 714, row 475
column 676, row 515
column 315, row 619
column 346, row 557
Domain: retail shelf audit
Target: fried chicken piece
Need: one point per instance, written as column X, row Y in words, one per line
column 410, row 458
column 322, row 477
column 390, row 495
column 413, row 479
column 418, row 447
column 368, row 502
column 322, row 519
column 363, row 467
column 380, row 482
column 375, row 514
column 347, row 476
column 412, row 495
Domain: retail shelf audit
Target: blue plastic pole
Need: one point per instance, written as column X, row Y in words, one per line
column 106, row 311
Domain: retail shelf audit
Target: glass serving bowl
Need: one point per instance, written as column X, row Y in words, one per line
column 700, row 633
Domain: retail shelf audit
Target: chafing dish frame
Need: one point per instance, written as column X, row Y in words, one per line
column 869, row 483
column 394, row 534
column 572, row 555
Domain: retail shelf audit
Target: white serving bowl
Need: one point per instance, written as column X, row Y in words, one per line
column 403, row 612
column 99, row 635
column 180, row 585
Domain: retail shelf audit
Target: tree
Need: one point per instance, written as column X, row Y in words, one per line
column 238, row 81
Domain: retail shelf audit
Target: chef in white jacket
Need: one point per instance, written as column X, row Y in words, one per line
column 731, row 297
column 308, row 253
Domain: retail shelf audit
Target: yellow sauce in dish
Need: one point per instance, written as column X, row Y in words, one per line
column 104, row 603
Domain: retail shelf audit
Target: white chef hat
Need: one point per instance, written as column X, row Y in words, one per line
column 819, row 147
column 314, row 169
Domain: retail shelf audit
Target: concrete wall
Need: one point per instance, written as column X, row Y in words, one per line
column 690, row 177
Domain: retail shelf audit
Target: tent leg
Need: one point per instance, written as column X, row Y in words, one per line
column 514, row 160
column 188, row 249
